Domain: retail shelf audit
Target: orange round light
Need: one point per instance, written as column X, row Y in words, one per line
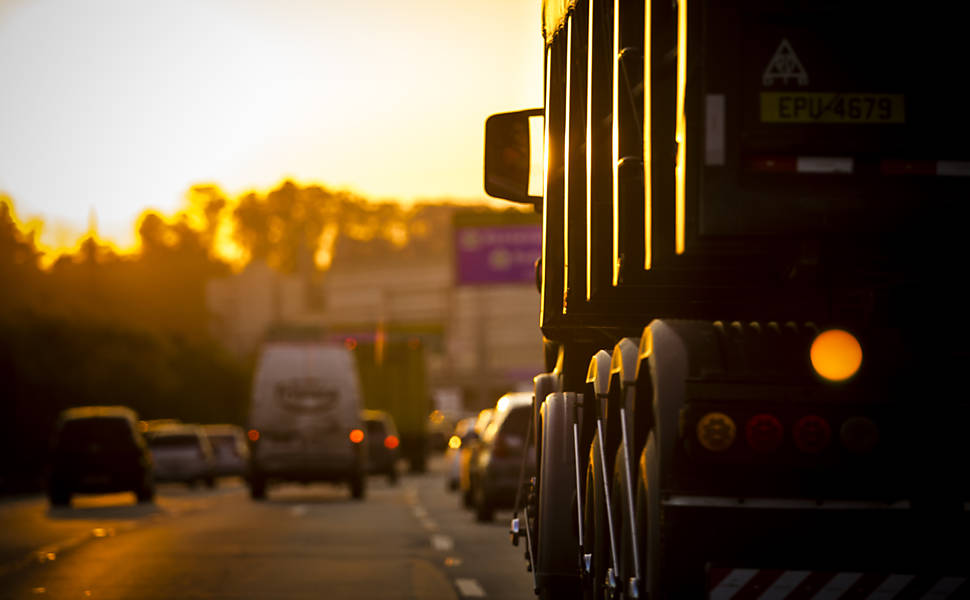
column 836, row 355
column 253, row 435
column 716, row 431
column 454, row 442
column 356, row 436
column 391, row 442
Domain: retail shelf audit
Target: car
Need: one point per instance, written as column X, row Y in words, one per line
column 380, row 436
column 453, row 453
column 469, row 448
column 230, row 449
column 497, row 470
column 99, row 449
column 183, row 454
column 304, row 417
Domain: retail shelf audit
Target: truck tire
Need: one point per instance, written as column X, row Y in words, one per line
column 257, row 487
column 358, row 486
column 594, row 530
column 484, row 508
column 145, row 493
column 59, row 496
column 557, row 545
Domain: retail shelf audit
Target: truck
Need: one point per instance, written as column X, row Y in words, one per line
column 750, row 296
column 393, row 379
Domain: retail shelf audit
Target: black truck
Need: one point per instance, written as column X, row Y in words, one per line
column 751, row 296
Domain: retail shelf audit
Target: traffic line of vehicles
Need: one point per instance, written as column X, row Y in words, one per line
column 490, row 457
column 103, row 449
column 306, row 424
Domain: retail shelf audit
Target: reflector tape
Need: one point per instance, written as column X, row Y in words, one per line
column 945, row 168
column 776, row 584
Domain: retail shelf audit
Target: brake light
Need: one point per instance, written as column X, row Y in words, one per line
column 812, row 434
column 253, row 435
column 391, row 442
column 859, row 434
column 836, row 355
column 716, row 431
column 764, row 433
column 356, row 436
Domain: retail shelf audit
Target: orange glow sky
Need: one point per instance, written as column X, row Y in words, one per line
column 109, row 107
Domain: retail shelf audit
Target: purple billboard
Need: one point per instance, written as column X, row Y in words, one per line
column 497, row 253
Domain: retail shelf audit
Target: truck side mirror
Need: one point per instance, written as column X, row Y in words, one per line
column 508, row 156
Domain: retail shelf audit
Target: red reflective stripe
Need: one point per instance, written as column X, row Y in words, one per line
column 758, row 584
column 812, row 585
column 715, row 575
column 908, row 167
column 773, row 164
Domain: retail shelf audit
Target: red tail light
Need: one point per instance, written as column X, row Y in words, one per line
column 764, row 433
column 253, row 435
column 356, row 436
column 391, row 442
column 812, row 434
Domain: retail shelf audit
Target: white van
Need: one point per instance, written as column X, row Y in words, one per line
column 304, row 417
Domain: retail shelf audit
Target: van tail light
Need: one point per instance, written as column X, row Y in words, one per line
column 812, row 434
column 391, row 442
column 253, row 435
column 764, row 433
column 859, row 435
column 356, row 436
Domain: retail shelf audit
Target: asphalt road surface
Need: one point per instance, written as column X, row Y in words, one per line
column 409, row 541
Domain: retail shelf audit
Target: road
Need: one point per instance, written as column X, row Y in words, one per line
column 409, row 541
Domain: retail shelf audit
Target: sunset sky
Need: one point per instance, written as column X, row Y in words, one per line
column 109, row 107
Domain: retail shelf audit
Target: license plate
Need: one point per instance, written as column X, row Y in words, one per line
column 831, row 107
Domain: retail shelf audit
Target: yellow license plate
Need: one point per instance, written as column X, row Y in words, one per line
column 831, row 107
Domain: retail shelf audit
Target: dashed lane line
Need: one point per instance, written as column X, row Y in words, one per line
column 442, row 543
column 469, row 588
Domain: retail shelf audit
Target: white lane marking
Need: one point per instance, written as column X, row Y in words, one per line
column 944, row 587
column 429, row 524
column 300, row 510
column 442, row 542
column 419, row 511
column 469, row 588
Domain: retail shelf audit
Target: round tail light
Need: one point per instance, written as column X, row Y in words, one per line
column 764, row 433
column 716, row 431
column 356, row 436
column 391, row 442
column 812, row 434
column 859, row 434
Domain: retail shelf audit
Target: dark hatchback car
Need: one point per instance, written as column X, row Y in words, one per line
column 380, row 435
column 97, row 450
column 497, row 468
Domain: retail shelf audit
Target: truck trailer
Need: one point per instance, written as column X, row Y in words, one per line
column 754, row 222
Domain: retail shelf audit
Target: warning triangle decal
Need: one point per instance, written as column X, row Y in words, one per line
column 784, row 65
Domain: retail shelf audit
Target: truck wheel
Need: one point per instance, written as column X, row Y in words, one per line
column 595, row 537
column 648, row 518
column 557, row 545
column 59, row 496
column 484, row 511
column 357, row 486
column 257, row 487
column 145, row 493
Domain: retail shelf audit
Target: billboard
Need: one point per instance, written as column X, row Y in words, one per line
column 495, row 254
